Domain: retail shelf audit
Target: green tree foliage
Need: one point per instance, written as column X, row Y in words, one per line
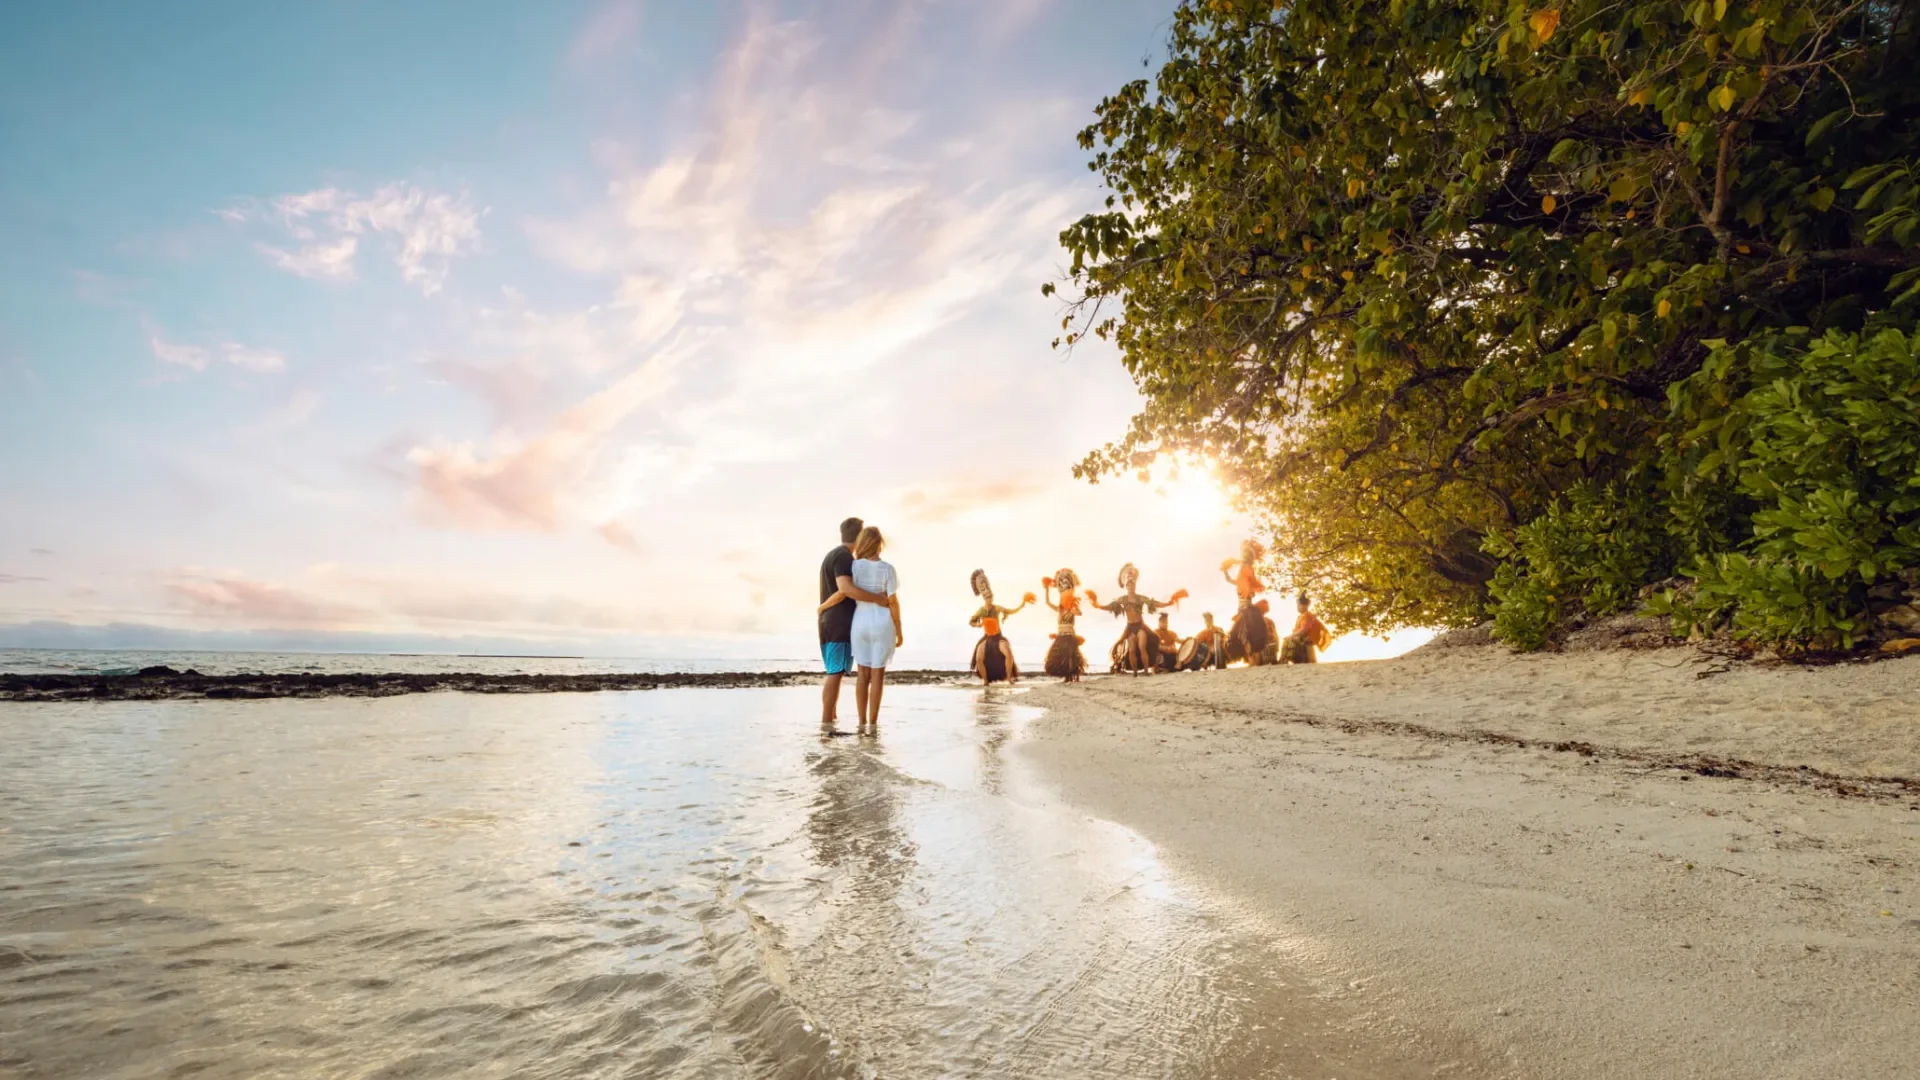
column 1420, row 274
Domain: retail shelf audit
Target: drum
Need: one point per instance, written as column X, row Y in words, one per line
column 1120, row 656
column 1195, row 655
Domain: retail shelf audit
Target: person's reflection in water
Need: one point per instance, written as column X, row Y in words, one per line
column 861, row 963
column 993, row 716
column 853, row 820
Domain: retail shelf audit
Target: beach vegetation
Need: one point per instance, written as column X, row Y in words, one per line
column 1508, row 310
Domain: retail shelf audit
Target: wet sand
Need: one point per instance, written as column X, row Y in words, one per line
column 1590, row 866
column 679, row 884
column 167, row 684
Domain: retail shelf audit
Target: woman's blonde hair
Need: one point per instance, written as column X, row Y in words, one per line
column 869, row 543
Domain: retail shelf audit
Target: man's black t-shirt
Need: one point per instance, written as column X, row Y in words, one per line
column 836, row 623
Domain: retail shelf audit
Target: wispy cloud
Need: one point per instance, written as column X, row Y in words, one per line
column 329, row 261
column 545, row 481
column 424, row 231
column 796, row 239
column 187, row 356
column 237, row 599
column 617, row 534
column 326, row 596
column 943, row 501
column 196, row 357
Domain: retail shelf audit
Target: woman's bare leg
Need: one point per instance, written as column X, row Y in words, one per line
column 862, row 684
column 1006, row 652
column 873, row 698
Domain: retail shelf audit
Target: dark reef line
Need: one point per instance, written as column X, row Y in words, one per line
column 162, row 684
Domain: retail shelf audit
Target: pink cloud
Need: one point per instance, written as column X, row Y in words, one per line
column 530, row 484
column 240, row 599
column 942, row 502
column 617, row 534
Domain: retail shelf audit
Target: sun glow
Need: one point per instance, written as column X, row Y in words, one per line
column 1196, row 501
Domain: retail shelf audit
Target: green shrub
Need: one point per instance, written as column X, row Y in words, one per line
column 1587, row 554
column 1776, row 601
column 1822, row 441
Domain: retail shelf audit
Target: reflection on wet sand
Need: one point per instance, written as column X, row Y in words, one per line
column 667, row 884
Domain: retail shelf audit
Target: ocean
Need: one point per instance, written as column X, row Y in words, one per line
column 128, row 661
column 672, row 883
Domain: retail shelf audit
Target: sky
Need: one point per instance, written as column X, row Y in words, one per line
column 572, row 327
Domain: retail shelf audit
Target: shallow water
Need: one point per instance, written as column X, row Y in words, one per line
column 658, row 884
column 127, row 661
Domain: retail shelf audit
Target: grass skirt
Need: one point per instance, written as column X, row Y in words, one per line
column 1248, row 638
column 1064, row 659
column 1000, row 667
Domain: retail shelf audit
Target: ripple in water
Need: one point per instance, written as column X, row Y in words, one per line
column 657, row 884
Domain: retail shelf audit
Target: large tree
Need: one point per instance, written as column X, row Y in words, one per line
column 1413, row 272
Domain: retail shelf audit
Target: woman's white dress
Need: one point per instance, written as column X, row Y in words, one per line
column 873, row 623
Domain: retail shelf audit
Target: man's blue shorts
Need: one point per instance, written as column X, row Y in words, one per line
column 837, row 656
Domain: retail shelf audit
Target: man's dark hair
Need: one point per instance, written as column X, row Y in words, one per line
column 850, row 530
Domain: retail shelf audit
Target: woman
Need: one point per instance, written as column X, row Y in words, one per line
column 876, row 627
column 993, row 656
column 1138, row 648
column 1064, row 659
column 1249, row 637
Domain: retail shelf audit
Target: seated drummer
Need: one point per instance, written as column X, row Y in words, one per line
column 1216, row 642
column 1169, row 645
column 1309, row 636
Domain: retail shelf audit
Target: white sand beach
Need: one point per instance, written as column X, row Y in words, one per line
column 1714, row 877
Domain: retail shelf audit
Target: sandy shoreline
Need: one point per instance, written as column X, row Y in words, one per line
column 171, row 685
column 1525, row 854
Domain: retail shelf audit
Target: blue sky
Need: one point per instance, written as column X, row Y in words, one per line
column 568, row 326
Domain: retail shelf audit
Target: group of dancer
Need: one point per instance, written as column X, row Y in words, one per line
column 860, row 627
column 1144, row 650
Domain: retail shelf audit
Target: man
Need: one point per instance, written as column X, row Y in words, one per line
column 1309, row 636
column 836, row 622
column 1215, row 640
column 1169, row 645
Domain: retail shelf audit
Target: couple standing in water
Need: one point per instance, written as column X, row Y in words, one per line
column 859, row 617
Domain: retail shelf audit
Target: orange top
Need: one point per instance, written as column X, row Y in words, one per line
column 1310, row 627
column 1249, row 583
column 991, row 625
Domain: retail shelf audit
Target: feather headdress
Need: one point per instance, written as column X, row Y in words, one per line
column 1129, row 574
column 1066, row 579
column 980, row 586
